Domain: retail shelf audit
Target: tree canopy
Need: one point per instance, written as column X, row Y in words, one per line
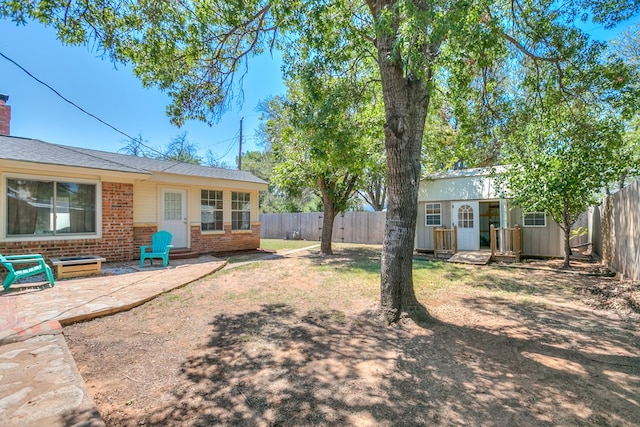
column 196, row 50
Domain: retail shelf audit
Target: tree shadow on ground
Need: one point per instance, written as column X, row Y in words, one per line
column 81, row 417
column 363, row 258
column 274, row 366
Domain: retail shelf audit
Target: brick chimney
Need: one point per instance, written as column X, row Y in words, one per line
column 5, row 115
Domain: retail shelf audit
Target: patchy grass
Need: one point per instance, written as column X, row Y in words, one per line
column 285, row 245
column 294, row 340
column 268, row 247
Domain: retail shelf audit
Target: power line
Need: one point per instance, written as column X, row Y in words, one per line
column 233, row 138
column 139, row 141
column 227, row 152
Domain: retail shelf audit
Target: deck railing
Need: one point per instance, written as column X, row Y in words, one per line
column 506, row 242
column 445, row 241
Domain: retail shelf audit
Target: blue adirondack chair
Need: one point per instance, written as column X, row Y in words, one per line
column 21, row 266
column 160, row 245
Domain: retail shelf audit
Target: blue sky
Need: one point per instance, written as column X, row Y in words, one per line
column 114, row 95
column 117, row 97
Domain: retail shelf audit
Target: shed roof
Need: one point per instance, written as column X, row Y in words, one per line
column 37, row 151
column 465, row 173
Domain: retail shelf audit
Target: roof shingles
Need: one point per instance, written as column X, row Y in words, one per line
column 36, row 151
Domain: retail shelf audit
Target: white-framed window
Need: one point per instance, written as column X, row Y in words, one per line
column 43, row 207
column 240, row 211
column 211, row 210
column 433, row 214
column 534, row 219
column 465, row 216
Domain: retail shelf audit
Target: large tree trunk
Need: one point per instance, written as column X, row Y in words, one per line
column 406, row 101
column 327, row 231
column 328, row 218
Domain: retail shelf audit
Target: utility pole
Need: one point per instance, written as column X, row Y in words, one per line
column 240, row 148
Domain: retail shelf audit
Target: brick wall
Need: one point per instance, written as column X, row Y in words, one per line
column 227, row 242
column 142, row 236
column 116, row 243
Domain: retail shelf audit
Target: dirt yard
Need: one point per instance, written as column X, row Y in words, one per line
column 293, row 342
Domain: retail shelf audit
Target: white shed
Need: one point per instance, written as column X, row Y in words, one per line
column 470, row 200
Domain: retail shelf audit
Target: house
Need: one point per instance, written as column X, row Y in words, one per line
column 65, row 201
column 470, row 200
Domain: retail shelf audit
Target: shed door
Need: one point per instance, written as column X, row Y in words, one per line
column 174, row 216
column 466, row 216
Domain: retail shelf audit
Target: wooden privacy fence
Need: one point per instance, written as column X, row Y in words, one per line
column 615, row 231
column 445, row 241
column 506, row 242
column 350, row 227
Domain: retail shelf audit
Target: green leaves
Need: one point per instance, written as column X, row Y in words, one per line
column 324, row 135
column 562, row 158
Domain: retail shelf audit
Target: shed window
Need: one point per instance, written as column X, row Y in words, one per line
column 240, row 211
column 432, row 214
column 50, row 208
column 534, row 219
column 465, row 216
column 211, row 209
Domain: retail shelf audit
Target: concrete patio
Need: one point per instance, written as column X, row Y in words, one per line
column 39, row 382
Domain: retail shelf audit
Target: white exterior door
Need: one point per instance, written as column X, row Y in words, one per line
column 174, row 216
column 466, row 216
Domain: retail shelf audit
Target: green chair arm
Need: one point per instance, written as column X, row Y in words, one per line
column 18, row 257
column 39, row 260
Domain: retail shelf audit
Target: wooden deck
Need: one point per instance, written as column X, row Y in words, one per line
column 471, row 257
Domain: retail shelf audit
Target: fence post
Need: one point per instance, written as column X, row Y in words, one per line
column 492, row 239
column 517, row 242
column 435, row 243
column 455, row 239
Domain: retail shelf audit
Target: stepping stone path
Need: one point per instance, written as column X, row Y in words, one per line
column 41, row 386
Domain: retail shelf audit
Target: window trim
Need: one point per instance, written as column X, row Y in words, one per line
column 544, row 217
column 221, row 230
column 44, row 237
column 426, row 215
column 248, row 193
column 466, row 222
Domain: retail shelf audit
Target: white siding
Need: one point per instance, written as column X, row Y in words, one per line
column 539, row 241
column 145, row 202
column 480, row 187
column 424, row 233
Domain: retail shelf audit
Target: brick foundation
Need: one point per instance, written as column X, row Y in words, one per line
column 225, row 242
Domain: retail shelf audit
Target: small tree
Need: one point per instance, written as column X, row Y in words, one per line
column 268, row 133
column 181, row 150
column 323, row 144
column 561, row 158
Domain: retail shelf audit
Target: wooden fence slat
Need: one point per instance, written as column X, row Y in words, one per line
column 353, row 227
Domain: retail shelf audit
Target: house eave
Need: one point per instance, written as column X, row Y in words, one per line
column 19, row 166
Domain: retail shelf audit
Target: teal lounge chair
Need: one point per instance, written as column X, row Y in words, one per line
column 21, row 266
column 160, row 245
